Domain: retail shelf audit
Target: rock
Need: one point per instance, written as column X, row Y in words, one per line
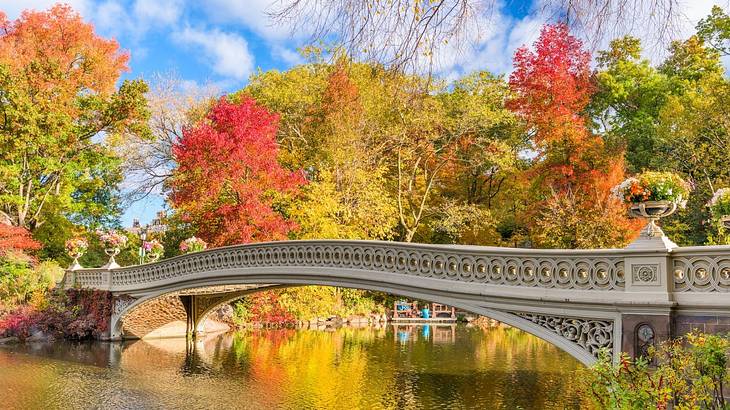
column 223, row 314
column 9, row 340
column 37, row 336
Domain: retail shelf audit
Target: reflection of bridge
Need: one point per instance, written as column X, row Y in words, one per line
column 579, row 300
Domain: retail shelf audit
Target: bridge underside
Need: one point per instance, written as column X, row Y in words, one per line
column 181, row 313
column 163, row 313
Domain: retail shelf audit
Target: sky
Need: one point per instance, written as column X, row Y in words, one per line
column 220, row 43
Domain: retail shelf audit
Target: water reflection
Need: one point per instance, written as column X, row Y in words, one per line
column 399, row 366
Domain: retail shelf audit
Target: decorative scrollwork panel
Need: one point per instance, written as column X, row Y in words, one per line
column 592, row 335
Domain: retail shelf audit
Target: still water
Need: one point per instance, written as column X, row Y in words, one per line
column 393, row 367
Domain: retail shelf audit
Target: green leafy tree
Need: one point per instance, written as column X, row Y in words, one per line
column 715, row 30
column 58, row 95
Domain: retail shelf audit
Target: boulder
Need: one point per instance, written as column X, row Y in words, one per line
column 9, row 340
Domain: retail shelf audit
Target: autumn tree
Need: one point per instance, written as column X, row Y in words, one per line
column 347, row 196
column 58, row 82
column 228, row 180
column 552, row 89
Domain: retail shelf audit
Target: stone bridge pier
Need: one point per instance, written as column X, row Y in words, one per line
column 582, row 301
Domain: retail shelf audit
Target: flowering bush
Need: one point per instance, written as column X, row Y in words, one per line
column 153, row 248
column 76, row 247
column 653, row 186
column 112, row 239
column 192, row 244
column 720, row 203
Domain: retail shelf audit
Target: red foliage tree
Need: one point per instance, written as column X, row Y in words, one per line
column 265, row 308
column 552, row 87
column 228, row 175
column 16, row 238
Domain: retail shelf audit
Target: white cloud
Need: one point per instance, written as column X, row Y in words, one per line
column 227, row 53
column 250, row 13
column 158, row 12
column 287, row 55
column 112, row 18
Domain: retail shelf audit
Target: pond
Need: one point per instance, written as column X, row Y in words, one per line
column 391, row 367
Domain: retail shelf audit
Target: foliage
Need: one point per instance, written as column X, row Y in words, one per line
column 715, row 30
column 653, row 186
column 22, row 282
column 59, row 92
column 574, row 167
column 72, row 314
column 307, row 303
column 15, row 238
column 690, row 373
column 720, row 203
column 600, row 226
column 263, row 308
column 228, row 179
column 626, row 384
column 112, row 239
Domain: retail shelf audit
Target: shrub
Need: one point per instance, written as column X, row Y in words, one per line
column 690, row 373
column 72, row 314
column 21, row 283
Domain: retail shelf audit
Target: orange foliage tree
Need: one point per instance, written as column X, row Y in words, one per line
column 573, row 170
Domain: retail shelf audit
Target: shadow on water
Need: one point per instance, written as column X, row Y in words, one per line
column 396, row 366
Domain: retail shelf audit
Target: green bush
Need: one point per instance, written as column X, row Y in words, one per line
column 21, row 282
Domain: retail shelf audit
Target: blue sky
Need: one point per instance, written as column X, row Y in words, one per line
column 221, row 42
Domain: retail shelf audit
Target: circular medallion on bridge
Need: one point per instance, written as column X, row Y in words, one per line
column 645, row 273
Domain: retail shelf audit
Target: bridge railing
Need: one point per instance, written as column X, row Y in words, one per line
column 701, row 269
column 635, row 269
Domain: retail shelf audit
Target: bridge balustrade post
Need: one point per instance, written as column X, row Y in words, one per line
column 647, row 319
column 106, row 280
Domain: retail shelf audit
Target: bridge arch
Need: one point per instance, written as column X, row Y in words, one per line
column 580, row 336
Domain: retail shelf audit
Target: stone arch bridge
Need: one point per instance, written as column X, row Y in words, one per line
column 579, row 300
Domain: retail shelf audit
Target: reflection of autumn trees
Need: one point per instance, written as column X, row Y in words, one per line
column 343, row 368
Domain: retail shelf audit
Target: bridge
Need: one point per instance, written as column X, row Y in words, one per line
column 579, row 300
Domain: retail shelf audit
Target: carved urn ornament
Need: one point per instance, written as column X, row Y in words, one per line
column 720, row 207
column 75, row 248
column 653, row 211
column 113, row 244
column 653, row 195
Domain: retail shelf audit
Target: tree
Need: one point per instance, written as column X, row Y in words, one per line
column 552, row 89
column 347, row 196
column 228, row 181
column 629, row 95
column 715, row 30
column 58, row 93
